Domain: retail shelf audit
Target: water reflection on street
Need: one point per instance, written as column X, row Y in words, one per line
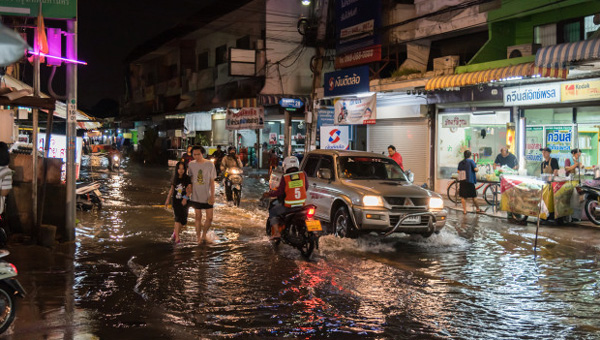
column 124, row 279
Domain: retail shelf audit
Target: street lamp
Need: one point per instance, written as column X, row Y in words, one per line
column 306, row 2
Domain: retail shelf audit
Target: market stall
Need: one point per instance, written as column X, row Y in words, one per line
column 549, row 197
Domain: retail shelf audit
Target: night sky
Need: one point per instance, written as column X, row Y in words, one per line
column 110, row 29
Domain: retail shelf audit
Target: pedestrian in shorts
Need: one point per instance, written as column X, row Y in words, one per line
column 178, row 191
column 202, row 189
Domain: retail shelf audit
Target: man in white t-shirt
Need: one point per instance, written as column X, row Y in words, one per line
column 203, row 173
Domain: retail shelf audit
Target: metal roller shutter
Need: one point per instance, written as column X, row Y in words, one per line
column 411, row 139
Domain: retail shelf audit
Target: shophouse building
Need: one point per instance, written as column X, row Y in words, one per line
column 227, row 76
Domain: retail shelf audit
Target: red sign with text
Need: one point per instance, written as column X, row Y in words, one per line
column 359, row 57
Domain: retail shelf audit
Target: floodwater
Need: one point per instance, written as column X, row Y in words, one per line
column 124, row 279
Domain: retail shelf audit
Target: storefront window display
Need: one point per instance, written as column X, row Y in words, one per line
column 484, row 134
column 554, row 128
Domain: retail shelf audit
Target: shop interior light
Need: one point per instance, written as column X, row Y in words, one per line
column 58, row 58
column 482, row 113
column 306, row 2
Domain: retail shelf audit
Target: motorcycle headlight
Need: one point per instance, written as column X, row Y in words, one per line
column 436, row 203
column 115, row 158
column 235, row 171
column 372, row 201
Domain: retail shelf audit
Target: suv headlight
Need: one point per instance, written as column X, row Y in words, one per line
column 372, row 201
column 436, row 203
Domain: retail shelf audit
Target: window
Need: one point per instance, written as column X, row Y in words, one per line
column 203, row 61
column 327, row 163
column 545, row 35
column 221, row 55
column 243, row 42
column 311, row 165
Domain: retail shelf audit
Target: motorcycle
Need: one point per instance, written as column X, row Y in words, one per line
column 300, row 230
column 592, row 202
column 114, row 162
column 233, row 184
column 9, row 287
column 88, row 196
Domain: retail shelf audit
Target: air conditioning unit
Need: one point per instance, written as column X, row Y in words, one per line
column 523, row 50
column 448, row 62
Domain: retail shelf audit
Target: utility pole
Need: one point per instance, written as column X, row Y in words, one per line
column 71, row 127
column 317, row 76
column 34, row 152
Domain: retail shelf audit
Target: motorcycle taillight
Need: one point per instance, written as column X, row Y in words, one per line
column 14, row 267
column 310, row 213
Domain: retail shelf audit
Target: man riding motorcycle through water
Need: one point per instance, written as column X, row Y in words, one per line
column 230, row 161
column 291, row 193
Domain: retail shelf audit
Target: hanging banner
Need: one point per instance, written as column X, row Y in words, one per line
column 335, row 137
column 356, row 111
column 247, row 118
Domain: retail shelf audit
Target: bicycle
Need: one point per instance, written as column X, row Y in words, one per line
column 491, row 192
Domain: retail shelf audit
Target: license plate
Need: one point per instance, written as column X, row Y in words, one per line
column 314, row 225
column 412, row 220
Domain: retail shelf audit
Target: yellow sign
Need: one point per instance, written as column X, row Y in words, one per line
column 584, row 90
column 296, row 184
column 314, row 225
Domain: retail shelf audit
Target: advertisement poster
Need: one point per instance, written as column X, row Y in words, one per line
column 357, row 24
column 58, row 149
column 584, row 90
column 559, row 140
column 535, row 141
column 356, row 111
column 335, row 137
column 273, row 138
column 247, row 118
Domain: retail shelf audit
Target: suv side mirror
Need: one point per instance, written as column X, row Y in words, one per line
column 411, row 176
column 325, row 173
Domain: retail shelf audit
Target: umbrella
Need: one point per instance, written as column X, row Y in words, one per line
column 12, row 46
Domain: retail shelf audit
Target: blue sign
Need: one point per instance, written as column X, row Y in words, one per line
column 347, row 81
column 291, row 103
column 358, row 23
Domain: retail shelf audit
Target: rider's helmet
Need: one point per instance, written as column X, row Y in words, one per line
column 290, row 163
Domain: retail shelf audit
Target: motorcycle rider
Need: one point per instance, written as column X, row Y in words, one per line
column 113, row 151
column 230, row 161
column 5, row 175
column 291, row 192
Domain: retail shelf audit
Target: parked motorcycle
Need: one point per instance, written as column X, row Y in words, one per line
column 592, row 202
column 88, row 196
column 233, row 184
column 301, row 231
column 9, row 287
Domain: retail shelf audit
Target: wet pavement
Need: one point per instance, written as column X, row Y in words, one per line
column 124, row 279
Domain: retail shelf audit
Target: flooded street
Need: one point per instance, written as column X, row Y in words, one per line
column 124, row 279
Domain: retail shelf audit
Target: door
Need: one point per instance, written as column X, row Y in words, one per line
column 325, row 187
column 411, row 139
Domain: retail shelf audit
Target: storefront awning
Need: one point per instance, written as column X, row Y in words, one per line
column 243, row 102
column 494, row 74
column 559, row 55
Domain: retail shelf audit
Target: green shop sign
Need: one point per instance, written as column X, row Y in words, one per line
column 52, row 9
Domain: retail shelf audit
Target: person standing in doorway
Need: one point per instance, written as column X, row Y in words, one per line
column 203, row 174
column 466, row 174
column 395, row 156
column 179, row 185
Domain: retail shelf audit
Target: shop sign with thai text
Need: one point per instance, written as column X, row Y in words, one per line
column 361, row 57
column 348, row 81
column 356, row 111
column 532, row 95
column 247, row 118
column 456, row 121
column 535, row 138
column 335, row 137
column 583, row 90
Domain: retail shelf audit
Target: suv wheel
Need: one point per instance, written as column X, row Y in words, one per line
column 342, row 224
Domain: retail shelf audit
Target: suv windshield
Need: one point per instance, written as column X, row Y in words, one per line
column 365, row 167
